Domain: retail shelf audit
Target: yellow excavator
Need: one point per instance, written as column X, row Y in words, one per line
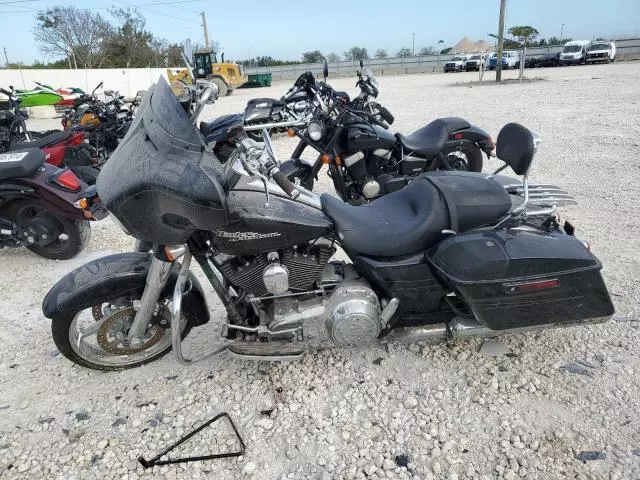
column 226, row 76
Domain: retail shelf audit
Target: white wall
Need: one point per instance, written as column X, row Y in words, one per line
column 126, row 81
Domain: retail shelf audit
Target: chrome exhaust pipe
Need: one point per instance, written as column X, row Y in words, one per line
column 461, row 328
column 260, row 126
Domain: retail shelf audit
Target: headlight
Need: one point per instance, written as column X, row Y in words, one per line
column 201, row 71
column 315, row 131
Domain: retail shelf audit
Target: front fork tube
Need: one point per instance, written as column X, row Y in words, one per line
column 156, row 281
column 176, row 317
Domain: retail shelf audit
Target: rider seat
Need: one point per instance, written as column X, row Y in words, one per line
column 46, row 141
column 430, row 139
column 20, row 164
column 413, row 219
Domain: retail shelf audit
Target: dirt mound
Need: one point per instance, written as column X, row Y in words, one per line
column 467, row 46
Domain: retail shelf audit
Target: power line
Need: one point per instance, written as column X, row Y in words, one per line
column 19, row 1
column 154, row 12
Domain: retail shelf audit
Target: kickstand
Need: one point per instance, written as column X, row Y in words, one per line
column 449, row 339
column 156, row 460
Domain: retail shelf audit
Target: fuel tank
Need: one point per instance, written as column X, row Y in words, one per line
column 257, row 227
column 364, row 136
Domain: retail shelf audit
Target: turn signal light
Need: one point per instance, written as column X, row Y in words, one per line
column 68, row 180
column 291, row 132
column 82, row 204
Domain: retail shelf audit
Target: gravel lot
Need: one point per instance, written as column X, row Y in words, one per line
column 556, row 404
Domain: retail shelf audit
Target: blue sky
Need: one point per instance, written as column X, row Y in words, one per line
column 286, row 29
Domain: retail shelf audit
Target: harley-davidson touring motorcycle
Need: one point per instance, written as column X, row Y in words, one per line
column 453, row 254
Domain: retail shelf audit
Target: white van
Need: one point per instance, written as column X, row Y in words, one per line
column 600, row 51
column 574, row 52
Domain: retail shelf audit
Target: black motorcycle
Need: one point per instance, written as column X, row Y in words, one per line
column 365, row 160
column 44, row 208
column 454, row 254
column 295, row 109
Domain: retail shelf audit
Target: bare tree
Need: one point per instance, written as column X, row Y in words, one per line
column 356, row 53
column 333, row 57
column 381, row 53
column 80, row 35
column 404, row 52
column 428, row 51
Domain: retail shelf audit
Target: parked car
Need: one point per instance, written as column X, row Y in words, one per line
column 474, row 61
column 531, row 62
column 456, row 64
column 510, row 59
column 601, row 52
column 548, row 60
column 574, row 52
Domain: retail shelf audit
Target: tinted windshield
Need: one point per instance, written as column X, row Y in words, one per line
column 458, row 59
column 599, row 46
column 572, row 48
column 372, row 77
column 475, row 57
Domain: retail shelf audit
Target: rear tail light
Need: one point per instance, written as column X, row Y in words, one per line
column 528, row 287
column 67, row 180
column 76, row 139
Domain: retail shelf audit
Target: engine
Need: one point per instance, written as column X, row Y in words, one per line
column 350, row 315
column 378, row 172
column 295, row 269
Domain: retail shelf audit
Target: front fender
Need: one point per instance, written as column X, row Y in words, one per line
column 116, row 276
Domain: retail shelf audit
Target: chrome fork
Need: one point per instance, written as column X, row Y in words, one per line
column 176, row 318
column 156, row 280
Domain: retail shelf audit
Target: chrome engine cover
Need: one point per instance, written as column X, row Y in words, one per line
column 371, row 189
column 353, row 314
column 350, row 315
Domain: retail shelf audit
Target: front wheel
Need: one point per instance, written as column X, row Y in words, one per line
column 97, row 337
column 468, row 158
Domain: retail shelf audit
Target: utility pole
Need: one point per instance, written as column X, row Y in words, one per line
column 413, row 43
column 561, row 31
column 5, row 57
column 206, row 33
column 503, row 6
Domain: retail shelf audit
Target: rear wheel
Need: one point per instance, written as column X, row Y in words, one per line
column 96, row 337
column 56, row 237
column 468, row 158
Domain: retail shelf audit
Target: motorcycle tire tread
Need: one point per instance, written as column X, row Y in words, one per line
column 60, row 333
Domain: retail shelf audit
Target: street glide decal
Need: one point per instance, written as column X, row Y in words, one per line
column 243, row 236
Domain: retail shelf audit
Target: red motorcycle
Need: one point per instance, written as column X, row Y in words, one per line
column 62, row 149
column 44, row 208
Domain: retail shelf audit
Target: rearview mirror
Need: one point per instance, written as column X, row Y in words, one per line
column 325, row 70
column 361, row 64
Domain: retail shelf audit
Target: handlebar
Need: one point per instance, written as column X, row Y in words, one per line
column 285, row 184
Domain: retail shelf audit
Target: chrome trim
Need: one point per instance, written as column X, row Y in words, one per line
column 156, row 280
column 260, row 126
column 176, row 318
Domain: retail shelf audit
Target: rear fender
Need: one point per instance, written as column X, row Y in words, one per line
column 38, row 189
column 473, row 135
column 116, row 276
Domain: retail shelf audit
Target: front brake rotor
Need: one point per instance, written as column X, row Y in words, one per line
column 112, row 335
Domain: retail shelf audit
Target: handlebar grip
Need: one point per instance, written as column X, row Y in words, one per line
column 285, row 184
